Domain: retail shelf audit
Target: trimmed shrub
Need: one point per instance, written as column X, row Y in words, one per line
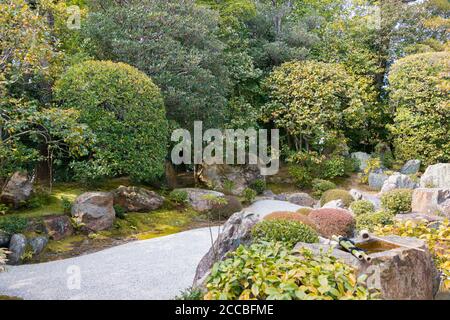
column 289, row 232
column 249, row 195
column 368, row 221
column 13, row 224
column 362, row 206
column 293, row 216
column 259, row 186
column 304, row 211
column 226, row 210
column 397, row 201
column 319, row 186
column 336, row 194
column 120, row 211
column 331, row 222
column 125, row 110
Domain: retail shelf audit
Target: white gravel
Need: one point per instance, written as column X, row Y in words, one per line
column 152, row 269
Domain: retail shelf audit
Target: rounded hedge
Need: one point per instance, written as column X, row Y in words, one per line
column 293, row 216
column 368, row 221
column 304, row 211
column 397, row 201
column 320, row 186
column 287, row 231
column 362, row 206
column 125, row 110
column 336, row 194
column 333, row 222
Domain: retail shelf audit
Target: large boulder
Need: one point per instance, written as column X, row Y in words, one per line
column 377, row 179
column 418, row 217
column 17, row 246
column 436, row 176
column 398, row 181
column 237, row 231
column 58, row 227
column 362, row 158
column 298, row 198
column 17, row 190
column 198, row 198
column 242, row 176
column 411, row 167
column 4, row 239
column 403, row 271
column 135, row 199
column 95, row 210
column 37, row 244
column 431, row 201
column 360, row 195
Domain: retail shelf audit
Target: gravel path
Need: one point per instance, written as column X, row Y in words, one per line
column 152, row 269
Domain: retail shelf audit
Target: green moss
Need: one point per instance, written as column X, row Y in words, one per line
column 278, row 188
column 9, row 298
column 66, row 244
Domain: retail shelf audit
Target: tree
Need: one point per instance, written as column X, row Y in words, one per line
column 125, row 110
column 419, row 87
column 173, row 42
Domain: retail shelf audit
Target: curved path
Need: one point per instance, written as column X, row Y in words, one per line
column 151, row 269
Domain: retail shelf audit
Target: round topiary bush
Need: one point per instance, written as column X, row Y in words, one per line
column 397, row 201
column 125, row 110
column 293, row 216
column 361, row 207
column 368, row 221
column 304, row 211
column 336, row 194
column 331, row 222
column 287, row 231
column 319, row 186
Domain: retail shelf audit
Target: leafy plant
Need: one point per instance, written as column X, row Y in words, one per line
column 179, row 197
column 13, row 224
column 228, row 186
column 397, row 201
column 290, row 232
column 66, row 205
column 301, row 175
column 336, row 194
column 369, row 221
column 259, row 185
column 319, row 186
column 249, row 195
column 191, row 294
column 3, row 209
column 120, row 211
column 362, row 206
column 270, row 271
column 39, row 199
column 373, row 164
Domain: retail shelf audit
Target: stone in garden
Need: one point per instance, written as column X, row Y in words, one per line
column 418, row 217
column 398, row 181
column 411, row 167
column 356, row 194
column 242, row 176
column 17, row 246
column 58, row 227
column 4, row 239
column 38, row 244
column 362, row 157
column 336, row 204
column 377, row 179
column 360, row 195
column 436, row 176
column 17, row 190
column 405, row 271
column 95, row 210
column 299, row 198
column 237, row 231
column 198, row 198
column 135, row 199
column 431, row 201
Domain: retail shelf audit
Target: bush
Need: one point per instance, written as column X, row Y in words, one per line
column 259, row 186
column 301, row 175
column 397, row 201
column 290, row 232
column 179, row 197
column 126, row 112
column 228, row 186
column 191, row 294
column 292, row 216
column 13, row 224
column 226, row 210
column 419, row 94
column 368, row 221
column 304, row 211
column 320, row 186
column 362, row 206
column 335, row 194
column 331, row 222
column 39, row 199
column 249, row 195
column 4, row 209
column 66, row 205
column 373, row 164
column 120, row 211
column 269, row 271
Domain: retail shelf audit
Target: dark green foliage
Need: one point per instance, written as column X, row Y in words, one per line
column 249, row 195
column 120, row 212
column 39, row 199
column 223, row 211
column 289, row 232
column 66, row 204
column 125, row 110
column 179, row 197
column 13, row 224
column 259, row 186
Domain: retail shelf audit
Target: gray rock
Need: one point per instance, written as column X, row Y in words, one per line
column 17, row 246
column 360, row 195
column 418, row 217
column 135, row 199
column 335, row 204
column 398, row 181
column 299, row 198
column 197, row 198
column 362, row 157
column 4, row 239
column 58, row 227
column 436, row 176
column 17, row 190
column 356, row 194
column 431, row 201
column 377, row 179
column 38, row 244
column 95, row 210
column 405, row 271
column 411, row 167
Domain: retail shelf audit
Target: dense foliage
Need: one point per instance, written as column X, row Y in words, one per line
column 333, row 222
column 336, row 194
column 272, row 272
column 397, row 201
column 125, row 111
column 368, row 221
column 361, row 207
column 288, row 231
